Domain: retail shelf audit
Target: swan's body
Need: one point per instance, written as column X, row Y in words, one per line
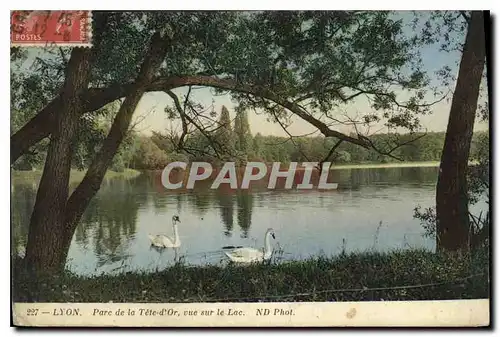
column 163, row 241
column 250, row 255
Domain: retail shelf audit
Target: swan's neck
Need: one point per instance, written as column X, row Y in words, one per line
column 268, row 250
column 176, row 234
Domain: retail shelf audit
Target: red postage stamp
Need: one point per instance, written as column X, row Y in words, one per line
column 42, row 28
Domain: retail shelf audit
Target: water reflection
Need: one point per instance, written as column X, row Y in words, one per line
column 111, row 220
column 107, row 227
column 244, row 200
column 113, row 228
column 408, row 177
column 226, row 209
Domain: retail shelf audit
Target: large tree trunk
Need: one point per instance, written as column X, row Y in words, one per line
column 55, row 218
column 91, row 183
column 44, row 247
column 452, row 204
column 47, row 238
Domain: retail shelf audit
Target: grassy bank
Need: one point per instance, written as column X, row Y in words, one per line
column 409, row 275
column 75, row 175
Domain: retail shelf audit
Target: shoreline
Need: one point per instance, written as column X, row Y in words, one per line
column 386, row 165
column 333, row 166
column 321, row 277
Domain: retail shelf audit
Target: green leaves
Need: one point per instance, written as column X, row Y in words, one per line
column 322, row 61
column 243, row 136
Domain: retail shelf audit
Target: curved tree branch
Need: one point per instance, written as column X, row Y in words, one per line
column 41, row 125
column 465, row 16
column 217, row 147
column 327, row 157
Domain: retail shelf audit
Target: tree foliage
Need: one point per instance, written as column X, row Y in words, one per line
column 313, row 64
column 243, row 135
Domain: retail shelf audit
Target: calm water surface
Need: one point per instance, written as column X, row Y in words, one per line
column 371, row 210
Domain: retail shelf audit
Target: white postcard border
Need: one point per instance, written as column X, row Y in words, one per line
column 449, row 313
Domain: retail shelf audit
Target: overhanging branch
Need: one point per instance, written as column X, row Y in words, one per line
column 465, row 16
column 41, row 125
column 216, row 146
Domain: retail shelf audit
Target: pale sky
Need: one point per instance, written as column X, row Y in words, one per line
column 151, row 111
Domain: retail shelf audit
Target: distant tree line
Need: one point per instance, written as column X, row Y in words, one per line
column 233, row 140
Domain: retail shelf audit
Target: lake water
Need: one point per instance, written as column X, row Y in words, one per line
column 372, row 209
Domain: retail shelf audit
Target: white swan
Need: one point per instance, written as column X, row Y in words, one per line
column 162, row 241
column 249, row 255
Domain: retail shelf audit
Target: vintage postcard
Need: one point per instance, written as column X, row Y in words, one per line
column 250, row 168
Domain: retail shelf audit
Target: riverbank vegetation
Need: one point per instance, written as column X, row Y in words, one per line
column 395, row 276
